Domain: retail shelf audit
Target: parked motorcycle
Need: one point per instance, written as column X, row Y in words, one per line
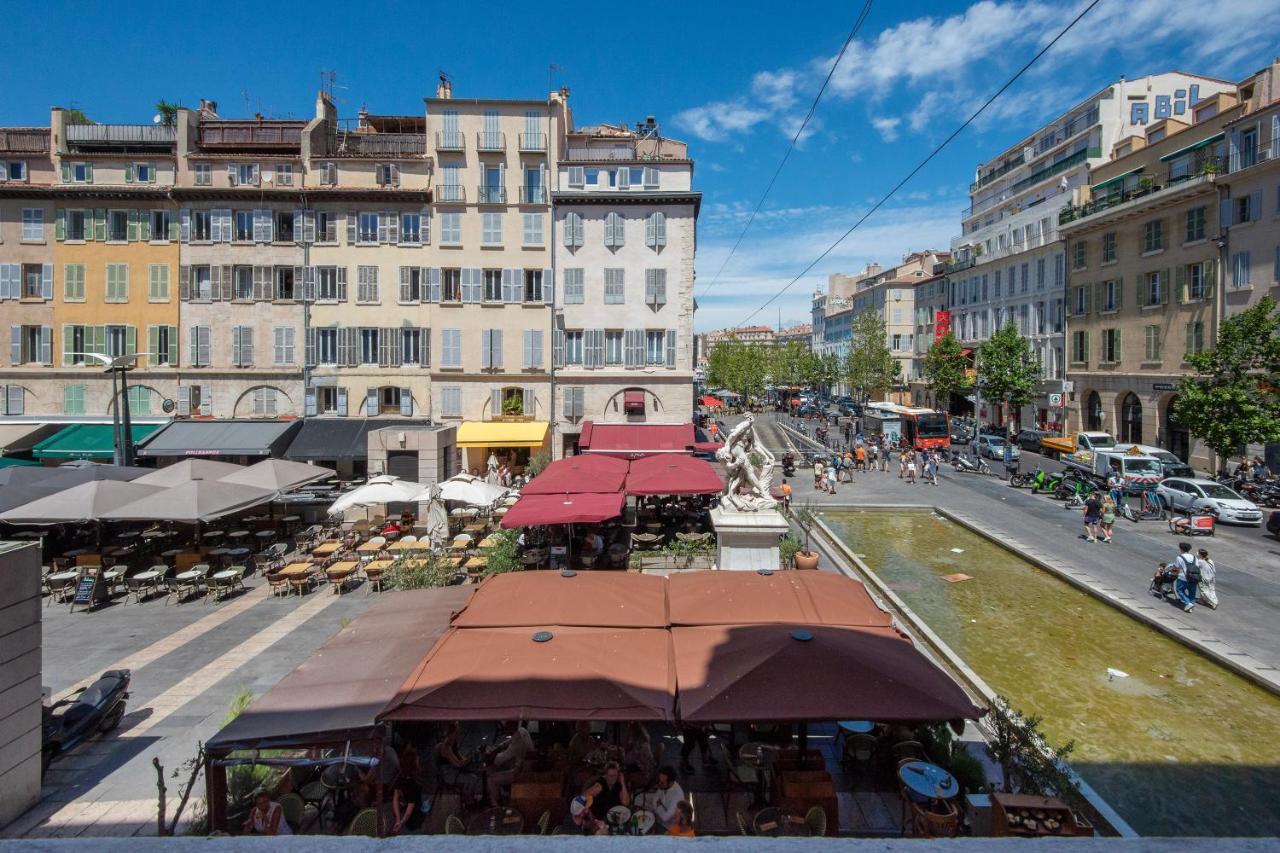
column 96, row 708
column 1022, row 480
column 1074, row 488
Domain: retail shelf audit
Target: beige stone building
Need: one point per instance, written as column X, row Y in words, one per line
column 892, row 293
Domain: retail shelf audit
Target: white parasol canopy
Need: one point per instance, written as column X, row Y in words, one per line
column 383, row 489
column 467, row 489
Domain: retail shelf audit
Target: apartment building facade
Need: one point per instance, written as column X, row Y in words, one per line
column 1009, row 264
column 626, row 235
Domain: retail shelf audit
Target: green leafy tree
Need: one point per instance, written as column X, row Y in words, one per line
column 1232, row 398
column 788, row 364
column 1008, row 370
column 739, row 367
column 74, row 116
column 945, row 370
column 870, row 367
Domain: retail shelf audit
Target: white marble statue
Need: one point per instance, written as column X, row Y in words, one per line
column 749, row 465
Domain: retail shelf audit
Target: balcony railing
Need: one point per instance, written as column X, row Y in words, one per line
column 1052, row 169
column 491, row 140
column 449, row 140
column 533, row 195
column 214, row 135
column 1140, row 186
column 142, row 134
column 616, row 151
column 380, row 144
column 999, row 172
column 451, row 192
column 34, row 141
column 533, row 142
column 491, row 195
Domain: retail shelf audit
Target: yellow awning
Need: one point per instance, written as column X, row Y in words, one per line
column 502, row 434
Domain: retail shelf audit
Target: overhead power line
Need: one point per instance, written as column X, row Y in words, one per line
column 813, row 108
column 936, row 151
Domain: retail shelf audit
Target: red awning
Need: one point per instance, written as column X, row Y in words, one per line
column 711, row 402
column 576, row 474
column 538, row 510
column 633, row 398
column 633, row 440
column 673, row 474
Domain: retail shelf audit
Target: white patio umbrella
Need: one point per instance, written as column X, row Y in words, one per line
column 379, row 490
column 188, row 470
column 277, row 474
column 437, row 516
column 467, row 489
column 86, row 502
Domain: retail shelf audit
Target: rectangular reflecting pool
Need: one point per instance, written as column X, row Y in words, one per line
column 1178, row 745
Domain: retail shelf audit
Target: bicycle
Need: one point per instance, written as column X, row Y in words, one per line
column 1151, row 506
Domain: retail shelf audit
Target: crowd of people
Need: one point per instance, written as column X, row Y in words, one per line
column 874, row 454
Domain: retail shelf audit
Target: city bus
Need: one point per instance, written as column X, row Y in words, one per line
column 922, row 429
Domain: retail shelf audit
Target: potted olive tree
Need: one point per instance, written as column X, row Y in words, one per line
column 805, row 558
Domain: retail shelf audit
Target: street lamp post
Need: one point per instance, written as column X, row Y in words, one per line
column 121, row 423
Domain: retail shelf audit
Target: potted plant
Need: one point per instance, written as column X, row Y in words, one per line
column 805, row 558
column 788, row 547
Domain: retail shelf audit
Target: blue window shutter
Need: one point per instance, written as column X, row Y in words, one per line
column 310, row 403
column 433, row 284
column 671, row 347
column 184, row 400
column 486, row 342
column 371, row 402
column 342, row 402
column 548, row 287
column 46, row 281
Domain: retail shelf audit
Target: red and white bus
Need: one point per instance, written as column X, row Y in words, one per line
column 922, row 429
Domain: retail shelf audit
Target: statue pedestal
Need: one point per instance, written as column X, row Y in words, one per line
column 748, row 541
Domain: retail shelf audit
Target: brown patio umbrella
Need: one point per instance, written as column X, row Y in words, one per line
column 585, row 599
column 809, row 598
column 188, row 470
column 277, row 474
column 192, row 501
column 542, row 673
column 790, row 673
column 89, row 501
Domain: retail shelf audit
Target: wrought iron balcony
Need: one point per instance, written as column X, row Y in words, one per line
column 533, row 142
column 451, row 192
column 533, row 195
column 449, row 140
column 491, row 195
column 491, row 140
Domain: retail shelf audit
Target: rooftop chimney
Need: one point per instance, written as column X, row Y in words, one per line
column 208, row 109
column 444, row 89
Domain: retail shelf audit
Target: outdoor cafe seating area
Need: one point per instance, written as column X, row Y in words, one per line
column 495, row 708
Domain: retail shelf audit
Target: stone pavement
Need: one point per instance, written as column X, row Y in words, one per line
column 189, row 662
column 1248, row 560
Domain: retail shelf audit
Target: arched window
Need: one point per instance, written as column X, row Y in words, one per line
column 1093, row 412
column 1131, row 419
column 614, row 230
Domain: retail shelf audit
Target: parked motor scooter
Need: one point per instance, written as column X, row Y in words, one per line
column 788, row 464
column 966, row 465
column 96, row 708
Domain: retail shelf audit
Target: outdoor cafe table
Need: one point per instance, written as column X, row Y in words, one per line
column 339, row 572
column 487, row 542
column 857, row 727
column 772, row 821
column 418, row 545
column 477, row 564
column 296, row 570
column 214, row 534
column 129, row 534
column 370, row 547
column 75, row 552
column 928, row 781
column 237, row 534
column 379, row 565
column 326, row 549
column 500, row 820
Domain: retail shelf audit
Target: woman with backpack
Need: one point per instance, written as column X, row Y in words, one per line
column 1188, row 582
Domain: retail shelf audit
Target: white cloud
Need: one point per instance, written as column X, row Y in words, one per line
column 718, row 121
column 887, row 127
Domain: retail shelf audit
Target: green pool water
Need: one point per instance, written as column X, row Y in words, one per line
column 1181, row 746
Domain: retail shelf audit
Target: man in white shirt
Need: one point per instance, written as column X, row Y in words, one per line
column 508, row 762
column 662, row 802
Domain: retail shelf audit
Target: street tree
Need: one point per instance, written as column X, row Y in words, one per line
column 945, row 369
column 737, row 366
column 789, row 364
column 1008, row 370
column 1232, row 397
column 870, row 367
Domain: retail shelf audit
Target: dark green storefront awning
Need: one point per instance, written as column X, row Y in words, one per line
column 87, row 441
column 12, row 461
column 1194, row 147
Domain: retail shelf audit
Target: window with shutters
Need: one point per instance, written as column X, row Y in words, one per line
column 1109, row 247
column 118, row 340
column 329, row 174
column 161, row 223
column 573, row 346
column 614, row 230
column 614, row 286
column 80, row 173
column 655, row 288
column 14, row 170
column 76, row 341
column 1079, row 255
column 73, row 283
column 411, row 347
column 388, row 174
column 573, row 401
column 573, row 289
column 655, row 347
column 577, row 177
column 367, row 285
column 201, row 283
column 139, row 400
column 369, row 341
column 1110, row 346
column 29, row 278
column 1153, row 288
column 1195, row 337
column 573, row 230
column 1240, row 269
column 533, row 286
column 366, row 228
column 650, row 178
column 411, row 284
column 327, row 289
column 491, row 349
column 242, row 346
column 451, row 229
column 202, row 174
column 75, row 225
column 532, row 229
column 1195, row 224
column 451, row 348
column 283, row 350
column 1151, row 343
column 264, row 402
column 285, row 280
column 284, row 174
column 326, row 226
column 243, row 226
column 655, row 230
column 282, row 226
column 450, row 284
column 1079, row 347
column 243, row 174
column 201, row 226
column 32, row 223
column 1080, row 302
column 1196, row 283
column 73, row 400
column 451, row 401
column 492, row 285
column 613, row 354
column 144, row 173
column 242, row 282
column 411, row 229
column 158, row 289
column 118, row 226
column 1153, row 236
column 491, row 229
column 1245, row 210
column 326, row 346
column 117, row 283
column 1110, row 297
column 326, row 400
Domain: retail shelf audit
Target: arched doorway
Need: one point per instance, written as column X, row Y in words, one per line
column 1131, row 418
column 1093, row 412
column 1176, row 438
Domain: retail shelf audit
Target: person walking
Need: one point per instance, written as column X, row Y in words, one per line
column 1208, row 590
column 819, row 470
column 931, row 467
column 831, row 479
column 861, row 456
column 902, row 463
column 1108, row 518
column 910, row 456
column 886, row 452
column 1092, row 515
column 1188, row 582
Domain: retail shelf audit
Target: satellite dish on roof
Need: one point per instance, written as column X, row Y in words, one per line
column 157, row 118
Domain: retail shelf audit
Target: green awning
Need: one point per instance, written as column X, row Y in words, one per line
column 10, row 462
column 87, row 441
column 1117, row 179
column 1202, row 143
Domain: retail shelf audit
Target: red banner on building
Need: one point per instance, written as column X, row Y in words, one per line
column 941, row 324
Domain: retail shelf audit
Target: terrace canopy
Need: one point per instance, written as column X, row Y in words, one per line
column 579, row 474
column 86, row 502
column 188, row 470
column 673, row 474
column 88, row 441
column 788, row 597
column 464, row 488
column 585, row 508
column 221, row 438
column 278, row 474
column 582, row 599
column 542, row 673
column 191, row 502
column 711, row 402
column 635, row 440
column 797, row 673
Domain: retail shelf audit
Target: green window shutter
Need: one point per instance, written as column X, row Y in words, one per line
column 99, row 224
column 173, row 346
column 1189, row 346
column 1119, row 293
column 173, row 228
column 1140, row 290
column 153, row 343
column 144, row 225
column 1119, row 346
column 66, row 173
column 1210, row 278
column 132, row 232
column 1180, row 282
column 60, row 224
column 66, row 344
column 1085, row 359
column 128, row 173
column 130, row 340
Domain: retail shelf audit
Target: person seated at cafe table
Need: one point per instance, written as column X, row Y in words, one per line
column 266, row 817
column 683, row 823
column 662, row 802
column 507, row 761
column 637, row 756
column 580, row 809
column 582, row 742
column 450, row 762
column 613, row 791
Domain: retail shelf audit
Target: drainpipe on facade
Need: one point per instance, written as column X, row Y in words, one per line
column 1223, row 242
column 553, row 175
column 300, row 286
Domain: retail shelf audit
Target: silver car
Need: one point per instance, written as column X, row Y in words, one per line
column 1189, row 494
column 992, row 447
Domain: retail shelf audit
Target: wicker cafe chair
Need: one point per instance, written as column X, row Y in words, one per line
column 742, row 824
column 544, row 823
column 737, row 777
column 927, row 823
column 816, row 818
column 364, row 823
column 453, row 825
column 292, row 806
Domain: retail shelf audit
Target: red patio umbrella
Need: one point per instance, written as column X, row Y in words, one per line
column 584, row 508
column 711, row 402
column 673, row 475
column 576, row 474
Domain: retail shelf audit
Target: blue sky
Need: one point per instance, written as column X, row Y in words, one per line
column 733, row 85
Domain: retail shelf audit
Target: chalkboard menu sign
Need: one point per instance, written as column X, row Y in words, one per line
column 90, row 590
